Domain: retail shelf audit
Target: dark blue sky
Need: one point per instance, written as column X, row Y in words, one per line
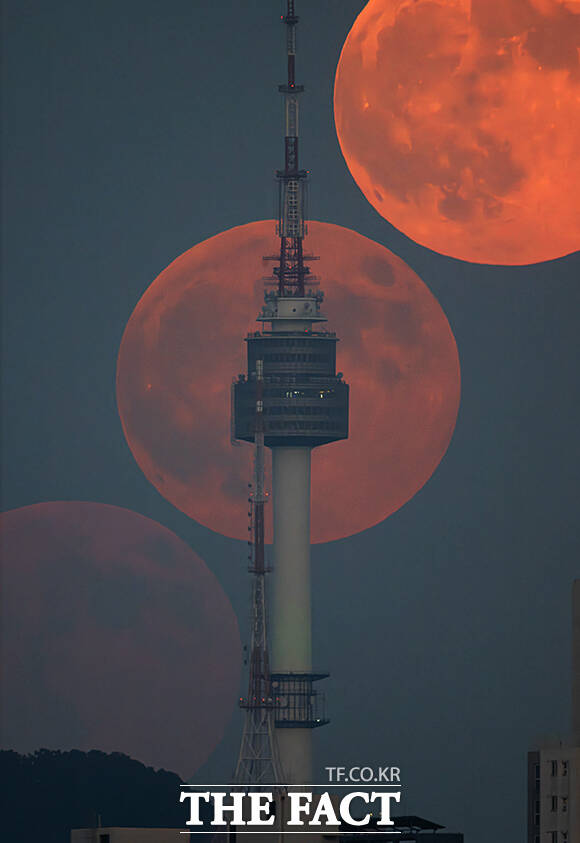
column 134, row 130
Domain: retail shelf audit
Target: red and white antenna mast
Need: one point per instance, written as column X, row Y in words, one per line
column 291, row 274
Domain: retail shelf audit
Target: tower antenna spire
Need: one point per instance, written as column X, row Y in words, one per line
column 291, row 273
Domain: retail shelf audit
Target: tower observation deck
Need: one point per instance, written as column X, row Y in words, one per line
column 305, row 400
column 304, row 405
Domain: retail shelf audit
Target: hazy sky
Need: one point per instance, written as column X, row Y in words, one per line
column 133, row 130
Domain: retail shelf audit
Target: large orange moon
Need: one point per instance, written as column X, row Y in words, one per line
column 460, row 122
column 184, row 344
column 116, row 636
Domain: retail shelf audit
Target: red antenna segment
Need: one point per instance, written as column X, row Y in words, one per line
column 291, row 274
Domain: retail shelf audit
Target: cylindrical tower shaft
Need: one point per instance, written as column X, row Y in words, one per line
column 291, row 619
column 292, row 627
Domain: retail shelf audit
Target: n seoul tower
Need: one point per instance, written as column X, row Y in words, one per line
column 303, row 404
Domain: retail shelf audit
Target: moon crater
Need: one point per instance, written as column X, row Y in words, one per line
column 460, row 122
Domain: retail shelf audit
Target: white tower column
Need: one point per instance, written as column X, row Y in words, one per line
column 291, row 616
column 291, row 622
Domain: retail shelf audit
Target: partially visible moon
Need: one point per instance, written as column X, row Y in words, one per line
column 460, row 122
column 184, row 344
column 115, row 636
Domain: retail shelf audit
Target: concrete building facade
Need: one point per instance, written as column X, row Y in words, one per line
column 554, row 766
column 553, row 794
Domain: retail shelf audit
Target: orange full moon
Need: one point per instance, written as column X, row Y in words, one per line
column 183, row 345
column 116, row 636
column 460, row 122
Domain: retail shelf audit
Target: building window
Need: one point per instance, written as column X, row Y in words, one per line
column 537, row 812
column 564, row 804
column 554, row 803
column 554, row 767
column 564, row 768
column 104, row 838
column 554, row 836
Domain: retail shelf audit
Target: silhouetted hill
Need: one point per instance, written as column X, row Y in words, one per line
column 48, row 793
